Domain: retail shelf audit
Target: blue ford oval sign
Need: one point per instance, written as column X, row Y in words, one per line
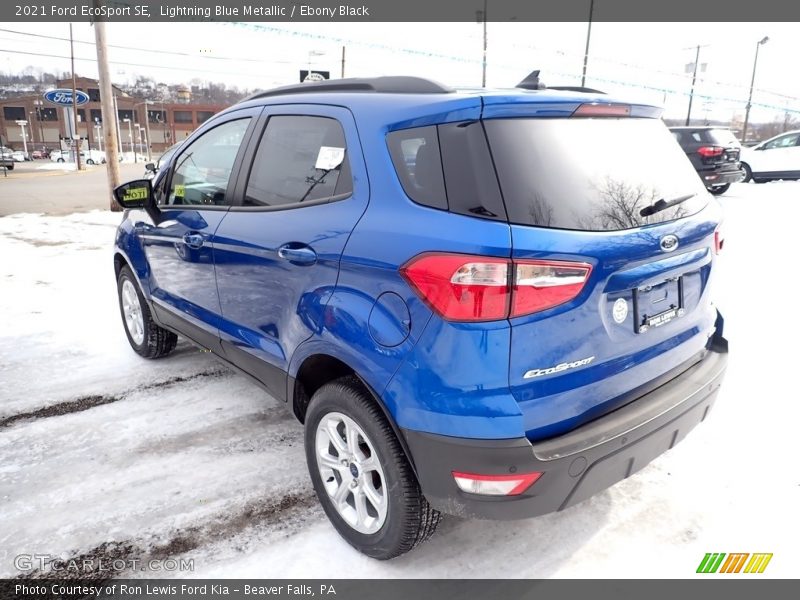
column 63, row 97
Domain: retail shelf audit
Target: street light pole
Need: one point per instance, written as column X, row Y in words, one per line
column 76, row 134
column 760, row 43
column 588, row 39
column 130, row 134
column 485, row 41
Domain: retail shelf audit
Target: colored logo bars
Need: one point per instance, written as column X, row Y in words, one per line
column 713, row 563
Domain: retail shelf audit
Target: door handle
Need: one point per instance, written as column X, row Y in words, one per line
column 193, row 240
column 303, row 255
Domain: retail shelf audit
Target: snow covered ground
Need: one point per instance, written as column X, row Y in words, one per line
column 104, row 454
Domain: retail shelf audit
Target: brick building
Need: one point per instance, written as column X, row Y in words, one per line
column 168, row 122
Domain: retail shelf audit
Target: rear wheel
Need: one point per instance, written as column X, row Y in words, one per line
column 145, row 337
column 361, row 475
column 720, row 189
column 90, row 162
column 61, row 160
column 748, row 173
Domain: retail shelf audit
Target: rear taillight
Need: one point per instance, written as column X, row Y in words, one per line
column 719, row 239
column 475, row 288
column 495, row 485
column 710, row 151
column 539, row 285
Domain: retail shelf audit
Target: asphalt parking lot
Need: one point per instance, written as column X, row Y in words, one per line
column 42, row 187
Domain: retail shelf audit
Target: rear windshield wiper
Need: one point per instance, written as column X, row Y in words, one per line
column 663, row 205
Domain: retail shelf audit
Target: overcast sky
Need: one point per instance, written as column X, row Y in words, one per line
column 646, row 60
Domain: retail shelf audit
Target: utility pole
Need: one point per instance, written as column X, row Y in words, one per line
column 343, row 49
column 108, row 111
column 588, row 39
column 75, row 133
column 485, row 42
column 694, row 79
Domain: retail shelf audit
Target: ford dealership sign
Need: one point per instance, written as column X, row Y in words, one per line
column 63, row 97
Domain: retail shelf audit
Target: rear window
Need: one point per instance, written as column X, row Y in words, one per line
column 723, row 137
column 592, row 174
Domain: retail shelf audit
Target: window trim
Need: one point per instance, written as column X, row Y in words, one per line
column 249, row 160
column 254, row 115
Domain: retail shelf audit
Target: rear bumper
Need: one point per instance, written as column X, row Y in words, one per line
column 715, row 177
column 576, row 465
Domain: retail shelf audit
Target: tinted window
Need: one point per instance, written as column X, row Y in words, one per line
column 182, row 116
column 418, row 162
column 723, row 137
column 203, row 169
column 14, row 113
column 591, row 174
column 299, row 159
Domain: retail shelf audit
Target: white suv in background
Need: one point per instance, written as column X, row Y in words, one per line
column 775, row 158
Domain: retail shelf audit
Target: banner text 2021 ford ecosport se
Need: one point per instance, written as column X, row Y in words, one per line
column 489, row 303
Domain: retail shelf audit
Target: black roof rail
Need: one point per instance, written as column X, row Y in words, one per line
column 379, row 85
column 574, row 88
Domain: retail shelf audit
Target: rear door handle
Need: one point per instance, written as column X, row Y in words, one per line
column 303, row 255
column 193, row 240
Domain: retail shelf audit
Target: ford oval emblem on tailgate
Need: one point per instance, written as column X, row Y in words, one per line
column 669, row 243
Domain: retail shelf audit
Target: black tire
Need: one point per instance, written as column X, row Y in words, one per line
column 156, row 341
column 10, row 167
column 748, row 173
column 90, row 162
column 61, row 160
column 720, row 189
column 409, row 520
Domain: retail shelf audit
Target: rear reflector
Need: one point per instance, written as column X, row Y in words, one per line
column 476, row 288
column 710, row 151
column 719, row 239
column 602, row 110
column 495, row 485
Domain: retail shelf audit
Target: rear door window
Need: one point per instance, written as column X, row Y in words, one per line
column 723, row 137
column 592, row 174
column 300, row 159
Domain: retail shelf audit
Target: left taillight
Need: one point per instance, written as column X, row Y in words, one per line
column 475, row 288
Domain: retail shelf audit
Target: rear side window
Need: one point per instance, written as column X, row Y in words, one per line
column 592, row 174
column 448, row 167
column 299, row 159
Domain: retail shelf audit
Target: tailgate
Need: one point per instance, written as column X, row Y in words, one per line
column 618, row 195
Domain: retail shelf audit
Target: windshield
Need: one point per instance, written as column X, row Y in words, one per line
column 592, row 174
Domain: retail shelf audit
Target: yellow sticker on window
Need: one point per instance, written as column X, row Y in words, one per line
column 133, row 194
column 180, row 190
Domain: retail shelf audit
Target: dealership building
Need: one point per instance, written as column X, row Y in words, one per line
column 167, row 122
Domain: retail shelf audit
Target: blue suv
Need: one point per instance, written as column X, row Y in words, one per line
column 488, row 303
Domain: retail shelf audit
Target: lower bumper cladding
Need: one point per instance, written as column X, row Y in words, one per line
column 514, row 478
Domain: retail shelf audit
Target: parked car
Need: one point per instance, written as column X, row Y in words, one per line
column 89, row 157
column 19, row 156
column 499, row 328
column 6, row 158
column 775, row 158
column 714, row 153
column 38, row 154
column 151, row 169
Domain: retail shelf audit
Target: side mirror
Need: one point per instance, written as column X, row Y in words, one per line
column 150, row 167
column 135, row 194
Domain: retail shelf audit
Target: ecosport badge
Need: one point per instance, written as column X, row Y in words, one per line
column 558, row 368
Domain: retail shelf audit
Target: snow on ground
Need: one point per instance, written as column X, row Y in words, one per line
column 104, row 454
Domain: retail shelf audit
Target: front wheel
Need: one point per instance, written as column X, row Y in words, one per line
column 145, row 337
column 361, row 475
column 61, row 160
column 90, row 162
column 720, row 189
